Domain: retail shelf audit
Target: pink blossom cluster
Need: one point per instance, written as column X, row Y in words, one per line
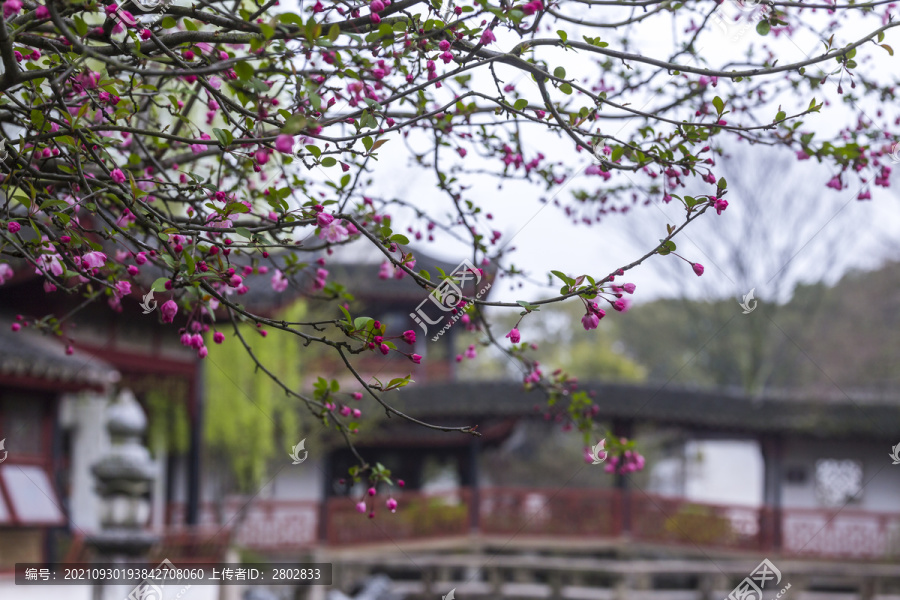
column 629, row 462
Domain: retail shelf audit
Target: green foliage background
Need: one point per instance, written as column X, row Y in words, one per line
column 249, row 419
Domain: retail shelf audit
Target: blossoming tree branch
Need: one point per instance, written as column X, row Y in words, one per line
column 214, row 140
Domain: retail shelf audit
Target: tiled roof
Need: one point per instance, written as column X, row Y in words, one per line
column 29, row 354
column 834, row 416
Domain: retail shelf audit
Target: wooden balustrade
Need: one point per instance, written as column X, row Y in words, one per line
column 594, row 514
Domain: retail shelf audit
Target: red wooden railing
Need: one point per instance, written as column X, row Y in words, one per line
column 570, row 513
column 420, row 516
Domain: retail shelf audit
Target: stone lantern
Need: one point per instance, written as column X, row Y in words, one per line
column 124, row 479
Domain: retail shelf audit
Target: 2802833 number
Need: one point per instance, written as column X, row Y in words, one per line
column 296, row 574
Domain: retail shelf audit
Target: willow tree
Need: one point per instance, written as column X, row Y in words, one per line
column 215, row 139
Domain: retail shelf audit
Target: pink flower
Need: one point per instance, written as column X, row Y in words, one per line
column 470, row 352
column 279, row 281
column 801, row 155
column 864, row 195
column 835, row 183
column 376, row 6
column 168, row 311
column 323, row 219
column 6, row 273
column 720, row 205
column 321, row 279
column 235, row 281
column 391, row 503
column 218, row 337
column 145, row 34
column 514, row 336
column 409, row 336
column 16, row 327
column 284, row 143
column 416, row 359
column 371, row 491
column 93, row 260
column 444, row 45
column 334, row 233
column 629, row 287
column 590, row 321
column 117, row 175
column 203, row 352
column 13, row 227
column 140, row 258
column 487, row 37
column 11, row 7
column 123, row 288
column 361, row 507
column 345, row 411
column 386, row 271
column 698, row 268
column 384, row 348
column 42, row 12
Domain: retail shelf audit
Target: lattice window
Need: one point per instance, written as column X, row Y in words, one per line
column 838, row 481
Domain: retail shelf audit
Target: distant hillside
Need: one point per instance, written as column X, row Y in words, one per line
column 844, row 336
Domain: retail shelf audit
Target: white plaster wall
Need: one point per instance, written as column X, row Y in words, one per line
column 298, row 482
column 729, row 472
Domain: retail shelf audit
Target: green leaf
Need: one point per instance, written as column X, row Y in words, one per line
column 719, row 104
column 189, row 261
column 314, row 150
column 236, row 207
column 559, row 72
column 160, row 284
column 267, row 30
column 80, row 26
column 563, row 35
column 565, row 278
column 565, row 88
column 225, row 138
column 244, row 70
column 168, row 23
column 361, row 322
column 521, row 104
column 780, row 116
column 334, row 32
column 400, row 239
column 763, row 28
column 888, row 49
column 367, row 142
column 329, row 161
